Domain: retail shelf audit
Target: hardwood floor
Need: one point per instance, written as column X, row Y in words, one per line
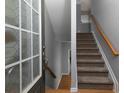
column 64, row 87
column 79, row 91
column 65, row 82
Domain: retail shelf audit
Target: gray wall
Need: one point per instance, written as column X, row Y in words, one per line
column 57, row 53
column 81, row 27
column 85, row 5
column 60, row 16
column 85, row 27
column 57, row 62
column 65, row 62
column 78, row 13
column 106, row 13
column 49, row 39
column 53, row 52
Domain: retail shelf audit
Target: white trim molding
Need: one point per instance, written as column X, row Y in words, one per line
column 74, row 90
column 59, row 80
column 116, row 84
column 65, row 73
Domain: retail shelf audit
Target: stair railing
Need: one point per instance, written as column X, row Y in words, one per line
column 45, row 64
column 49, row 69
column 99, row 30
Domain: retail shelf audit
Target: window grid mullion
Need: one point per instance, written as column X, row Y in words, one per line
column 20, row 46
column 31, row 44
column 40, row 37
column 27, row 3
column 22, row 61
column 22, row 29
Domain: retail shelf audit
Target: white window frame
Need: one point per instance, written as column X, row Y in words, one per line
column 33, row 81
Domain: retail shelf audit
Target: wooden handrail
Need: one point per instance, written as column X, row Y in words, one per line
column 99, row 30
column 49, row 70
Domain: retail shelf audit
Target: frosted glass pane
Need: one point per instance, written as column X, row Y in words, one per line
column 35, row 22
column 26, row 16
column 11, row 45
column 12, row 12
column 12, row 80
column 35, row 44
column 35, row 4
column 26, row 45
column 36, row 68
column 26, row 74
column 29, row 1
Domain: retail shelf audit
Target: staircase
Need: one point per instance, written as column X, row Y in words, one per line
column 92, row 72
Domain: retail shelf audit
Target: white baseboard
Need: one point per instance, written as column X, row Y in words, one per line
column 59, row 80
column 74, row 90
column 65, row 73
column 116, row 84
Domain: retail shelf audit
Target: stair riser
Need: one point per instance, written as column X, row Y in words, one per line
column 86, row 46
column 92, row 74
column 85, row 41
column 82, row 35
column 85, row 37
column 96, row 57
column 87, row 51
column 95, row 86
column 90, row 65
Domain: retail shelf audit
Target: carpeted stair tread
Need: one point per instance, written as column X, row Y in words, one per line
column 92, row 73
column 80, row 33
column 92, row 69
column 85, row 39
column 87, row 48
column 94, row 79
column 86, row 43
column 88, row 54
column 89, row 61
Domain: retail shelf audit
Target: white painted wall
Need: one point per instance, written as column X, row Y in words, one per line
column 60, row 16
